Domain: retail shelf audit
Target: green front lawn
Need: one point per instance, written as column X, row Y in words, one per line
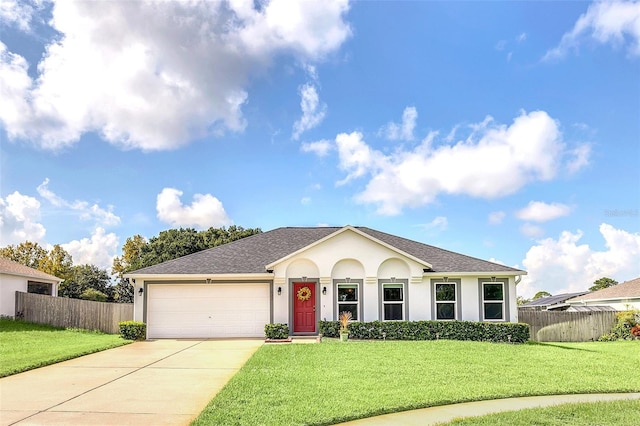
column 24, row 346
column 333, row 382
column 611, row 413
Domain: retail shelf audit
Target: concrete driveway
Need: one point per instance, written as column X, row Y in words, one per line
column 161, row 382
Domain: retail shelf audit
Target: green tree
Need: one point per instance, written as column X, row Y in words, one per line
column 93, row 294
column 541, row 294
column 84, row 277
column 58, row 263
column 601, row 283
column 27, row 253
column 170, row 244
column 130, row 260
column 522, row 301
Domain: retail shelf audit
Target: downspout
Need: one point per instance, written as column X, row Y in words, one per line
column 518, row 279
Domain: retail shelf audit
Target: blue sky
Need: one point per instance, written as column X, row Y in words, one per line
column 508, row 131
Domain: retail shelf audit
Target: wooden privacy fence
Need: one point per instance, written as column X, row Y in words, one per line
column 72, row 313
column 553, row 326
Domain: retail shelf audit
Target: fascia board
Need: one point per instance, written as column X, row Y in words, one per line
column 475, row 274
column 217, row 277
column 52, row 279
column 608, row 299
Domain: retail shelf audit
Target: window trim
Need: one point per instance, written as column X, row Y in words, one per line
column 504, row 302
column 405, row 297
column 359, row 302
column 458, row 303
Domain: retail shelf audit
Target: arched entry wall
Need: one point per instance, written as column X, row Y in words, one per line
column 346, row 292
column 393, row 290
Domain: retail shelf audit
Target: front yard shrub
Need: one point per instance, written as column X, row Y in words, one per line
column 276, row 331
column 431, row 330
column 133, row 330
column 624, row 328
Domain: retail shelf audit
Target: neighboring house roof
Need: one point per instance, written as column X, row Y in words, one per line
column 252, row 254
column 604, row 308
column 626, row 290
column 8, row 266
column 552, row 300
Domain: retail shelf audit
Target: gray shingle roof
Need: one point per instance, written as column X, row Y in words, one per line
column 252, row 254
column 8, row 266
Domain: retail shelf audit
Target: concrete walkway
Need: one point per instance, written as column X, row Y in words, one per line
column 447, row 413
column 162, row 382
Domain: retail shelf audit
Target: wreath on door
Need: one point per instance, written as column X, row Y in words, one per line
column 304, row 294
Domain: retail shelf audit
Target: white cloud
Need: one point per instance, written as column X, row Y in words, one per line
column 531, row 231
column 313, row 111
column 305, row 200
column 99, row 250
column 615, row 22
column 205, row 211
column 495, row 160
column 563, row 265
column 580, row 158
column 521, row 37
column 404, row 130
column 18, row 13
column 86, row 211
column 320, row 148
column 538, row 211
column 19, row 219
column 439, row 223
column 356, row 157
column 495, row 218
column 181, row 75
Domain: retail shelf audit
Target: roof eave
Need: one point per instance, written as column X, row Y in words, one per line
column 37, row 277
column 474, row 274
column 204, row 277
column 607, row 299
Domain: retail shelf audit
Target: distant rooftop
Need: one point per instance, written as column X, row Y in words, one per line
column 8, row 266
column 552, row 300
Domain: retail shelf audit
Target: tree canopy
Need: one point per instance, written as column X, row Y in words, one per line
column 603, row 282
column 139, row 253
column 92, row 283
column 56, row 262
column 86, row 277
column 541, row 294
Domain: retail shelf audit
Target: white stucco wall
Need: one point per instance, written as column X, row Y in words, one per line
column 351, row 255
column 9, row 284
column 138, row 301
column 354, row 256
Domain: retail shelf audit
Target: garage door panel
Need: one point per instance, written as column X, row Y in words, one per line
column 219, row 310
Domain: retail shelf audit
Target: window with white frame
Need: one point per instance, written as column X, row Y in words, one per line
column 493, row 301
column 446, row 301
column 393, row 302
column 348, row 299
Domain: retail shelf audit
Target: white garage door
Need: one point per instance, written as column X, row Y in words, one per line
column 207, row 310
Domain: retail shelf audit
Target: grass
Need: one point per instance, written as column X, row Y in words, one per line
column 25, row 346
column 335, row 382
column 611, row 413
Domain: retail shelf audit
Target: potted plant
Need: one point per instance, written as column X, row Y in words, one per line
column 344, row 317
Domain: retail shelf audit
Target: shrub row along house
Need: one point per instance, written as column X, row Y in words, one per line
column 300, row 276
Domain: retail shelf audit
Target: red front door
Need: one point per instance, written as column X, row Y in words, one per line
column 304, row 307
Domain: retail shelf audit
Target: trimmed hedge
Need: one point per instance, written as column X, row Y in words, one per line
column 276, row 331
column 133, row 330
column 431, row 330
